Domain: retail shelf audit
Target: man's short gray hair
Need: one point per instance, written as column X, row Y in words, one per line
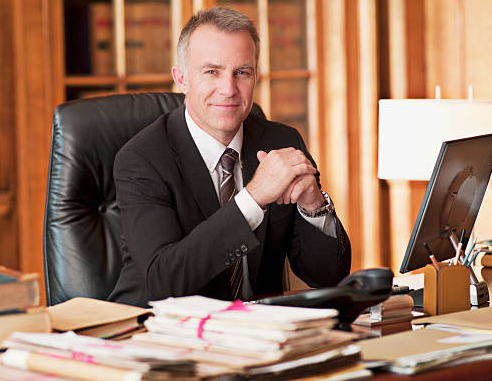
column 225, row 19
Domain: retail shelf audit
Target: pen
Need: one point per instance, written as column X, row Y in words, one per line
column 472, row 259
column 470, row 250
column 431, row 256
column 458, row 250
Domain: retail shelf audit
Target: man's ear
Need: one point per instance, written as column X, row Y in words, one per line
column 179, row 79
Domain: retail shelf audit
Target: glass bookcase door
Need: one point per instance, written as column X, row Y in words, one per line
column 248, row 7
column 289, row 104
column 287, row 34
column 148, row 37
column 88, row 32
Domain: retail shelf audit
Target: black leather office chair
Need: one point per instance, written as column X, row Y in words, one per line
column 82, row 229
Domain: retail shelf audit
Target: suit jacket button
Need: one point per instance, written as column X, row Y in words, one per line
column 227, row 262
column 231, row 256
column 237, row 252
column 244, row 248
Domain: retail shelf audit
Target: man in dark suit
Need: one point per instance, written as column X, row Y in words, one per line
column 212, row 197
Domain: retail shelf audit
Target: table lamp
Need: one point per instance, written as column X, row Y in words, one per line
column 411, row 132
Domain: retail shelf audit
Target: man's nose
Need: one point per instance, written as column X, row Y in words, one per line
column 228, row 86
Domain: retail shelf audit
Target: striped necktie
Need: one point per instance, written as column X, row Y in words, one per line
column 227, row 191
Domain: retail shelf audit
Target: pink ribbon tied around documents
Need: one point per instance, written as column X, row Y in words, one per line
column 236, row 305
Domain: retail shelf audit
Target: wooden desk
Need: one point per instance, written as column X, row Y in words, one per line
column 476, row 371
column 480, row 370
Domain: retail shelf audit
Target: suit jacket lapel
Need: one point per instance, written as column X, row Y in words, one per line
column 191, row 164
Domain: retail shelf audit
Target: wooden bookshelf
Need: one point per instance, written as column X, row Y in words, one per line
column 118, row 46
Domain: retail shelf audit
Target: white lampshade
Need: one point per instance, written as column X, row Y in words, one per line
column 411, row 132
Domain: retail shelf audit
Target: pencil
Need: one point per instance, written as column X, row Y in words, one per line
column 458, row 250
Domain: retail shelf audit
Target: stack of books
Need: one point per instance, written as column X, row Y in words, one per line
column 20, row 300
column 392, row 315
column 485, row 247
column 250, row 339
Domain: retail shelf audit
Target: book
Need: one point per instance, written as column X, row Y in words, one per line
column 18, row 291
column 287, row 35
column 36, row 320
column 394, row 306
column 101, row 38
column 148, row 37
column 366, row 320
column 486, row 260
column 98, row 318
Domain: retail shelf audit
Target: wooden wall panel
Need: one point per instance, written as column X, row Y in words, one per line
column 478, row 73
column 368, row 96
column 8, row 178
column 34, row 109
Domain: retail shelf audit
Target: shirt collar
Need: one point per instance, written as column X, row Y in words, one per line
column 210, row 148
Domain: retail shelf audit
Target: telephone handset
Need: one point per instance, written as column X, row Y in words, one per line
column 354, row 293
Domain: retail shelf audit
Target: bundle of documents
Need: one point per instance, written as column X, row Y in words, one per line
column 251, row 340
column 98, row 318
column 428, row 348
column 88, row 358
column 266, row 332
column 19, row 304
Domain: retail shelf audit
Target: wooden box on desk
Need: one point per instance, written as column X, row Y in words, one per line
column 446, row 290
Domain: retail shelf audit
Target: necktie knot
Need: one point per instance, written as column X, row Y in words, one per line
column 228, row 160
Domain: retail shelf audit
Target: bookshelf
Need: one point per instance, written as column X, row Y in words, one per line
column 117, row 46
column 287, row 82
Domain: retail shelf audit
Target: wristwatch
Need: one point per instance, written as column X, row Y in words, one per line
column 324, row 210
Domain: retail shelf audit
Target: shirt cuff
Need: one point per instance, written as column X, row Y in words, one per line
column 249, row 208
column 326, row 224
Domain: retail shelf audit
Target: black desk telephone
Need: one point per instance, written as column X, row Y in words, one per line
column 352, row 295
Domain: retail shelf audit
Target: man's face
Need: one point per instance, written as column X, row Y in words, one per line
column 219, row 81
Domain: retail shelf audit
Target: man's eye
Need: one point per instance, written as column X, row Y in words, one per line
column 242, row 72
column 211, row 71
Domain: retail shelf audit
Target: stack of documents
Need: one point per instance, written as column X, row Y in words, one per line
column 74, row 356
column 249, row 339
column 98, row 318
column 428, row 348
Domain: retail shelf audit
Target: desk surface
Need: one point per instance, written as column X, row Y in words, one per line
column 480, row 370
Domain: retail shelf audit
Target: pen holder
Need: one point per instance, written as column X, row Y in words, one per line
column 446, row 290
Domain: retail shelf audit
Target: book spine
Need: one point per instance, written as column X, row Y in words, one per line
column 101, row 38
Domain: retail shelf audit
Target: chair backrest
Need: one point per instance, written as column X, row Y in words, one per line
column 82, row 228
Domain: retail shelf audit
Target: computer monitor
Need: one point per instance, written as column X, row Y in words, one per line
column 451, row 201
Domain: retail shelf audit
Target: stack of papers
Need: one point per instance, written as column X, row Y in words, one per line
column 428, row 348
column 249, row 339
column 266, row 332
column 98, row 318
column 74, row 356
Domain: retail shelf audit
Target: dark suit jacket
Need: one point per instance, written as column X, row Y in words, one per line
column 179, row 241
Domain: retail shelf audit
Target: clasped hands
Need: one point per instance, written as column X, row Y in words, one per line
column 285, row 176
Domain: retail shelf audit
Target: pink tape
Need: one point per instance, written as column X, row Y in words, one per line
column 236, row 305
